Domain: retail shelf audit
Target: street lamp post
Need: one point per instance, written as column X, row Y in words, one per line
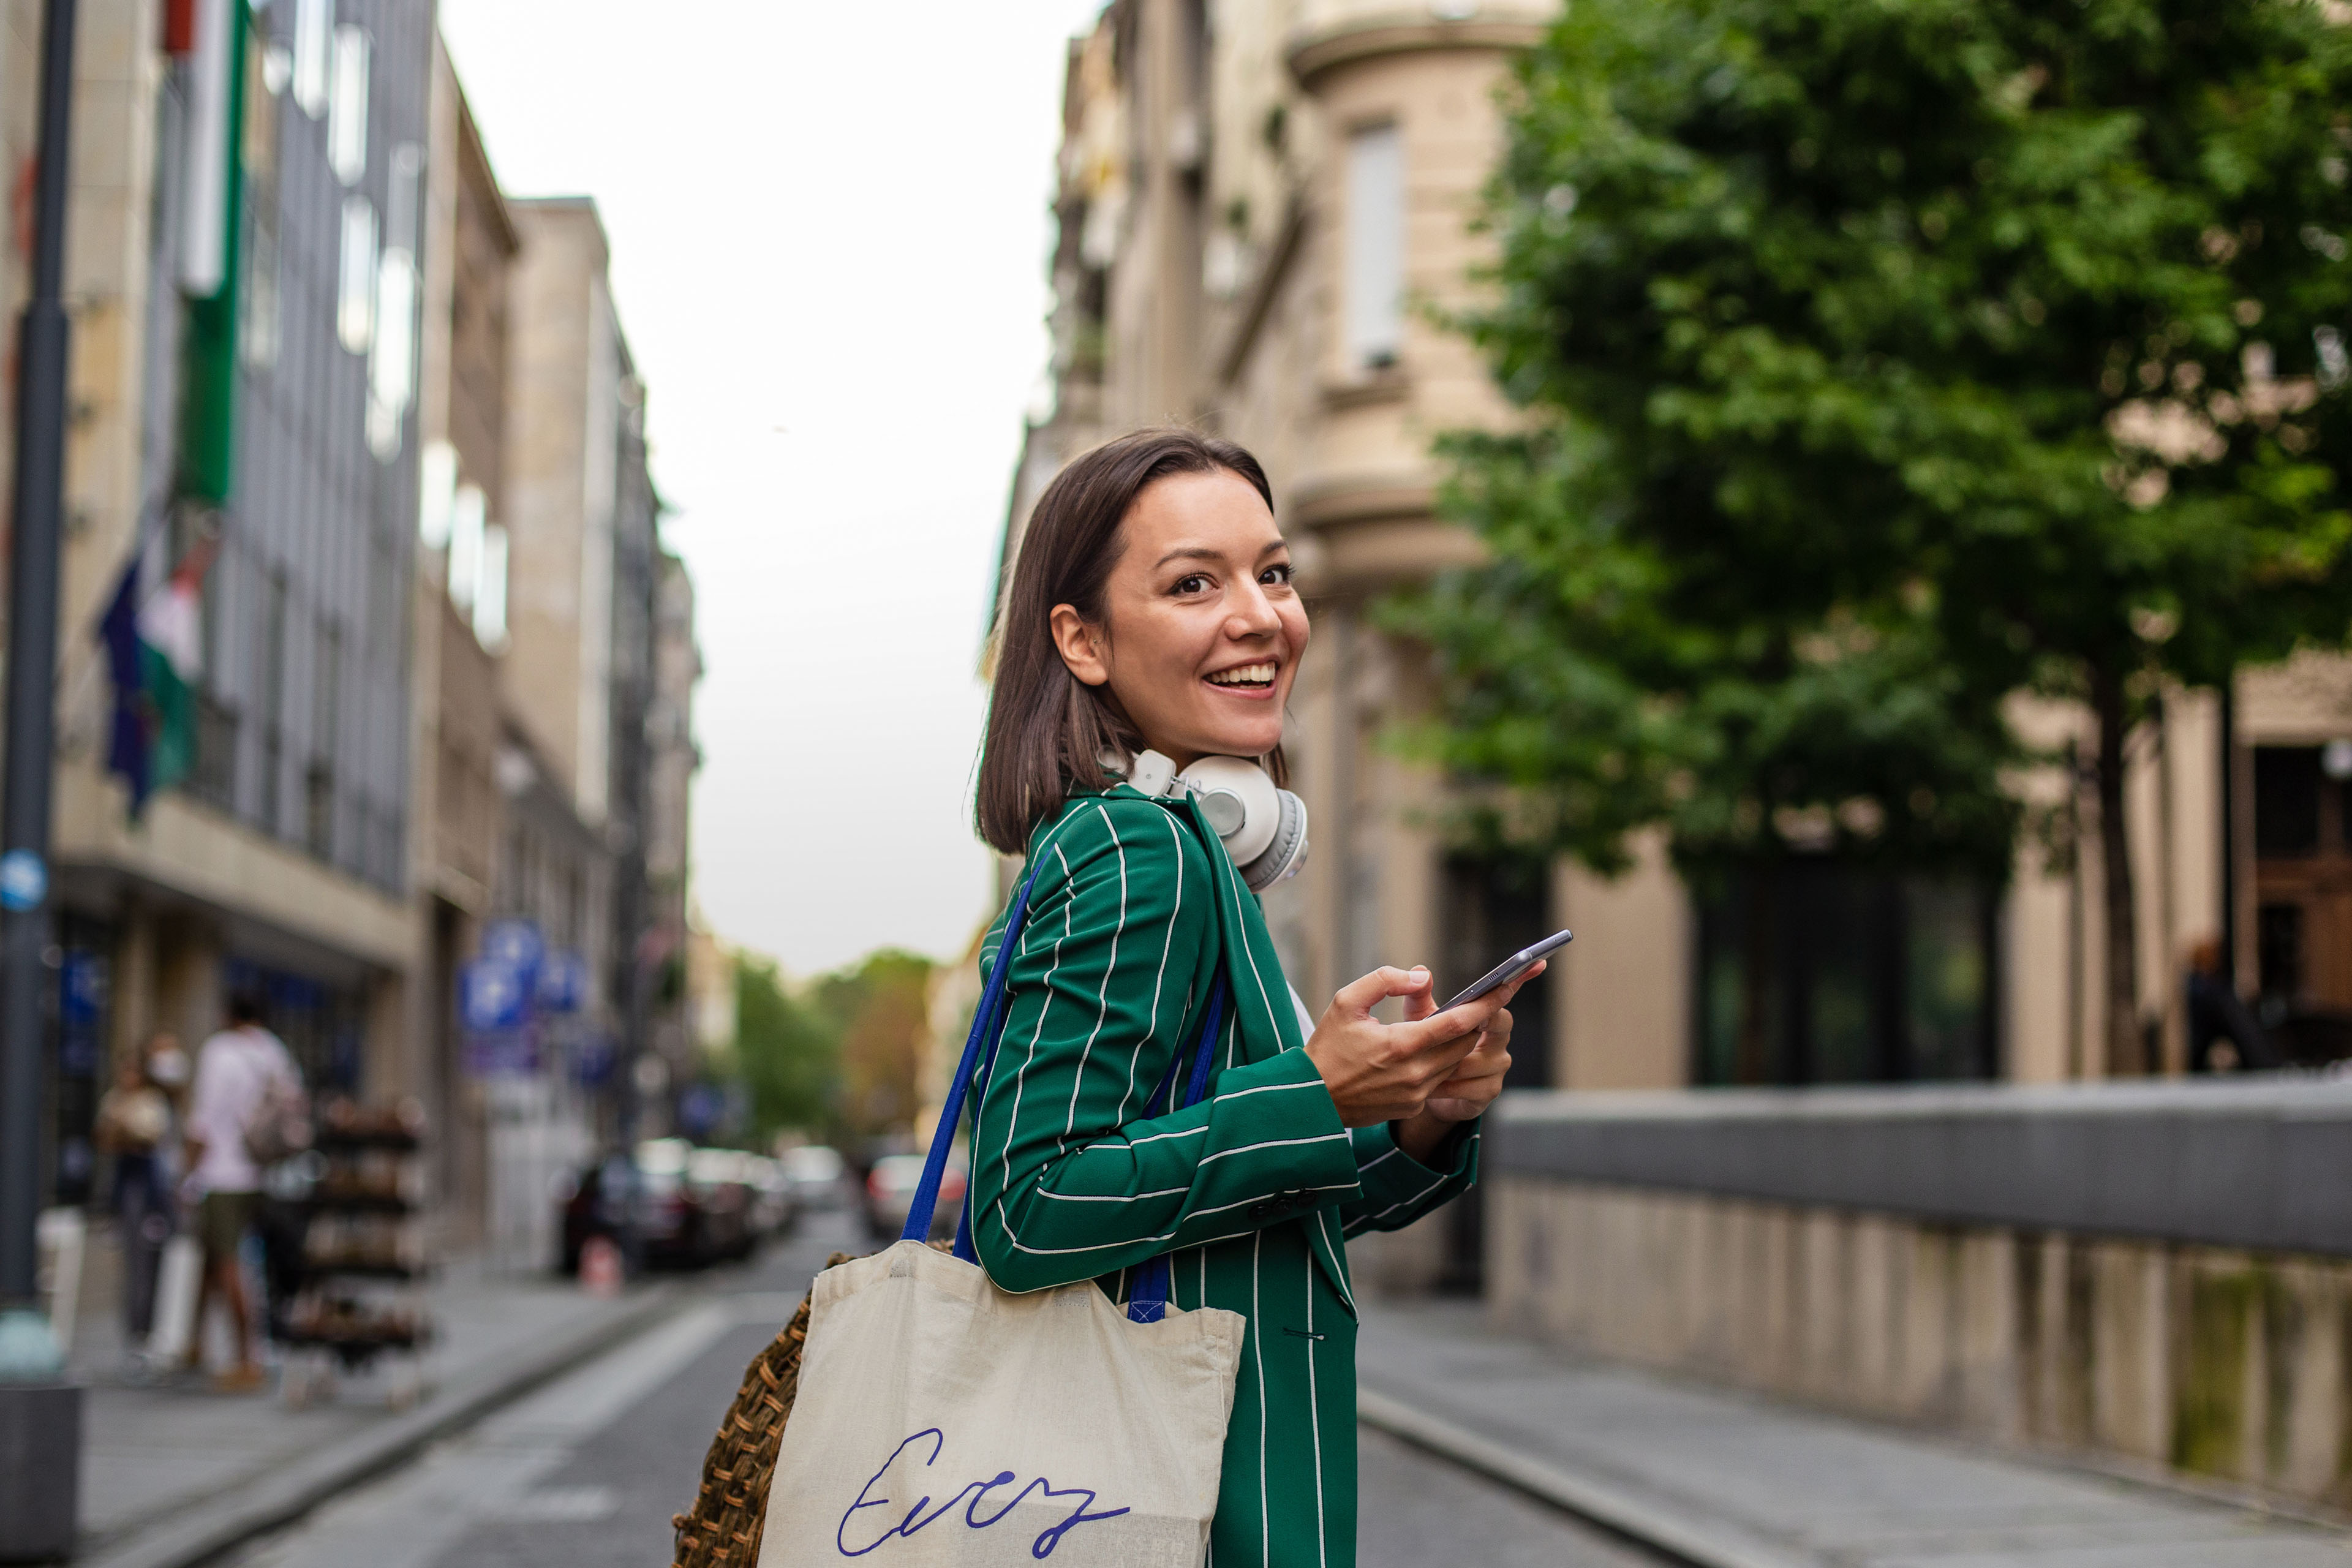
column 40, row 1411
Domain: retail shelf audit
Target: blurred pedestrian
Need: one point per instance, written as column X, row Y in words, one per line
column 246, row 1083
column 137, row 1125
column 2223, row 1035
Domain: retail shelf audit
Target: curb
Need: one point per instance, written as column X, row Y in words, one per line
column 195, row 1535
column 1695, row 1543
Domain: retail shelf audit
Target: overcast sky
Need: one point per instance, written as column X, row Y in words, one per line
column 829, row 226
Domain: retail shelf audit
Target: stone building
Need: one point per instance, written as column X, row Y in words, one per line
column 241, row 257
column 672, row 760
column 386, row 420
column 1264, row 211
column 588, row 638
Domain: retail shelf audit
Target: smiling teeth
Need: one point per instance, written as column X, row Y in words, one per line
column 1247, row 674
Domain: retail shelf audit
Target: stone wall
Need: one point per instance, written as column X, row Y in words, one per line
column 2228, row 1365
column 2227, row 1362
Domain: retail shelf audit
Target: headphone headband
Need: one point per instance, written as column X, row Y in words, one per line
column 1262, row 828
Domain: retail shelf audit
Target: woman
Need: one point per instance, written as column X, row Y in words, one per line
column 1153, row 608
column 135, row 1123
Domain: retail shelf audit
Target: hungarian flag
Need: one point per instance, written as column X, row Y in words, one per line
column 154, row 651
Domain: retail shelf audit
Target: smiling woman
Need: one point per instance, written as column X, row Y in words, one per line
column 1154, row 633
column 1172, row 535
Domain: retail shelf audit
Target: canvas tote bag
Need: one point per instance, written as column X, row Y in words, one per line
column 942, row 1422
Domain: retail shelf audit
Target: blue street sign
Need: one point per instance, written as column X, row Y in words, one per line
column 515, row 942
column 563, row 982
column 24, row 880
column 492, row 995
column 700, row 1109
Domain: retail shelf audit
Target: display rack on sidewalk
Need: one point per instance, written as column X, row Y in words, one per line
column 358, row 1296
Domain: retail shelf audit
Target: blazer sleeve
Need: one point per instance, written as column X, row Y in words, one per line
column 1069, row 1179
column 1395, row 1189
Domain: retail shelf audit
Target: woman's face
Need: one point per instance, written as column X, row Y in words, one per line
column 1201, row 630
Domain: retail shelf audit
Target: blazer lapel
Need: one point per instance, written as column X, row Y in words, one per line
column 1265, row 1022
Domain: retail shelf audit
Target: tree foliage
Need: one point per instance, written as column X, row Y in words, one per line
column 1882, row 358
column 786, row 1048
column 841, row 1057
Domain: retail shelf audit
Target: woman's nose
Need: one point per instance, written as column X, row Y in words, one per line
column 1253, row 614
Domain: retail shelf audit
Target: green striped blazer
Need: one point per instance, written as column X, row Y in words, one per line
column 1253, row 1191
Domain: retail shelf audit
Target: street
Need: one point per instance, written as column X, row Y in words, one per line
column 586, row 1471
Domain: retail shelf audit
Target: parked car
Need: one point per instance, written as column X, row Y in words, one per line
column 815, row 1173
column 691, row 1209
column 721, row 1197
column 890, row 1193
column 775, row 1208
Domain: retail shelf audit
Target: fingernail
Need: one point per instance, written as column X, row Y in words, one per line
column 1421, row 971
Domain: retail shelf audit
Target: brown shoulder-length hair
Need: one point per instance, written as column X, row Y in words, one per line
column 1047, row 730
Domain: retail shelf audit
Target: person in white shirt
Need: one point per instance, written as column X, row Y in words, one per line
column 238, row 1071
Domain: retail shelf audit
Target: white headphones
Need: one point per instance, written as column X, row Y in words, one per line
column 1264, row 828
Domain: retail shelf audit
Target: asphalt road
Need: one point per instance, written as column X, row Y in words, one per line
column 586, row 1472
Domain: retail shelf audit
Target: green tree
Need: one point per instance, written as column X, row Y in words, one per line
column 1882, row 358
column 883, row 1007
column 787, row 1048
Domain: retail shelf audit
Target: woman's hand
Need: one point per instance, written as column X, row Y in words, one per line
column 1388, row 1072
column 1465, row 1096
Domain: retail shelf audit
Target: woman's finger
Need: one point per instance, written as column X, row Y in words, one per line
column 1455, row 1022
column 1465, row 1079
column 1360, row 996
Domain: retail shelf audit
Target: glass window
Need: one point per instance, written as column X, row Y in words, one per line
column 355, row 302
column 2287, row 800
column 314, row 32
column 436, row 493
column 1815, row 971
column 347, row 113
column 2278, row 947
column 468, row 532
column 490, row 592
column 1375, row 247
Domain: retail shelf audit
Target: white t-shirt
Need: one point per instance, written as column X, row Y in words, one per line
column 233, row 1071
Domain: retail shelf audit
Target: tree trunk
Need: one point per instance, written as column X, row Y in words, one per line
column 1753, row 1056
column 2127, row 1053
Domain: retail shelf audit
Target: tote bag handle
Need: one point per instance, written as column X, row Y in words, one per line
column 1149, row 1301
column 984, row 1031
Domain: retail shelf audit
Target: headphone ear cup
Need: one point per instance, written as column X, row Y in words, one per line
column 1288, row 853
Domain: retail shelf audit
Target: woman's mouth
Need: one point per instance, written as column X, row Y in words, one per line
column 1245, row 676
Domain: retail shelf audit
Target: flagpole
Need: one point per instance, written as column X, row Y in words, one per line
column 32, row 691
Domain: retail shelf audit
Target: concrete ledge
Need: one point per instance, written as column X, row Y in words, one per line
column 2261, row 1164
column 198, row 1534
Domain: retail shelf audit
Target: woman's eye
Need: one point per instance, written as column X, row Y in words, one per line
column 1274, row 574
column 1195, row 583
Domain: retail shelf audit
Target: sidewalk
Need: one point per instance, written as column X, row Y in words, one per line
column 171, row 1472
column 1726, row 1481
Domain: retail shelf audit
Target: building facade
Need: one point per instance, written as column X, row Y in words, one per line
column 242, row 257
column 324, row 379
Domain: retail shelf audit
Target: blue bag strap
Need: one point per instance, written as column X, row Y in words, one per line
column 986, row 1025
column 1154, row 1280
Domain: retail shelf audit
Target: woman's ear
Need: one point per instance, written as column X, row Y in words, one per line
column 1082, row 646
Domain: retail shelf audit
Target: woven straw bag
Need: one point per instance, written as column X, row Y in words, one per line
column 722, row 1528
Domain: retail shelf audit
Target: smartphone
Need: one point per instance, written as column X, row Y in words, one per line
column 1511, row 968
